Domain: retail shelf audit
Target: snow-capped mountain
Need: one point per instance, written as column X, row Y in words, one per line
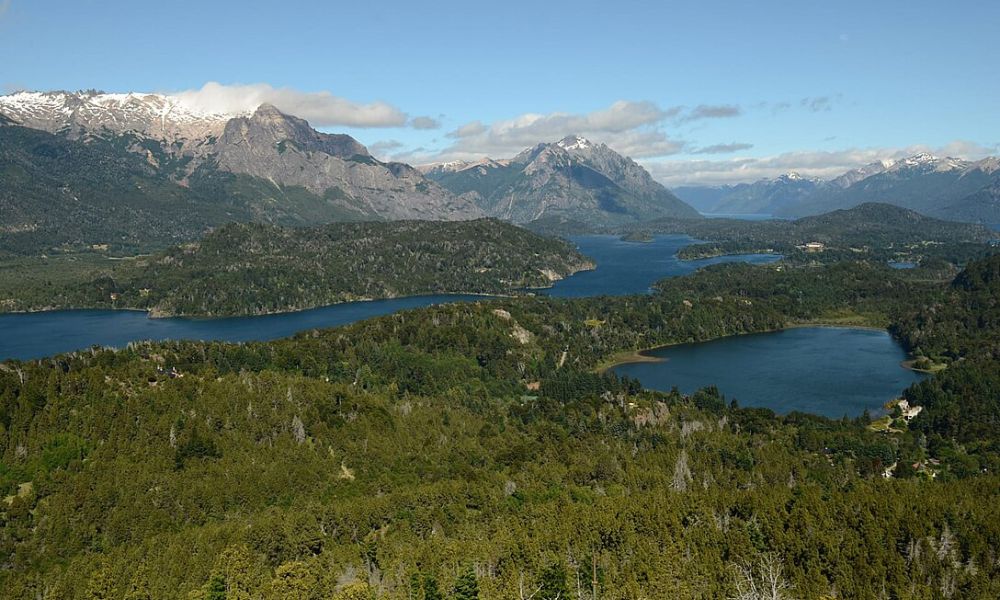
column 266, row 144
column 943, row 187
column 935, row 186
column 761, row 197
column 572, row 178
column 155, row 116
column 855, row 175
column 440, row 169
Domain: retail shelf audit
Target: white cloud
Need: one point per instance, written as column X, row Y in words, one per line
column 4, row 6
column 321, row 109
column 424, row 123
column 723, row 148
column 825, row 165
column 712, row 111
column 630, row 128
column 384, row 148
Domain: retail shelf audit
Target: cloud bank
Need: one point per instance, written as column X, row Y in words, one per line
column 321, row 109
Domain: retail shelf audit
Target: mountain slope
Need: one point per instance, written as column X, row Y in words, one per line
column 766, row 196
column 982, row 206
column 924, row 183
column 280, row 151
column 60, row 194
column 285, row 150
column 946, row 188
column 573, row 178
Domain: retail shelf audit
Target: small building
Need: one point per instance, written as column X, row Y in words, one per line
column 906, row 411
column 813, row 247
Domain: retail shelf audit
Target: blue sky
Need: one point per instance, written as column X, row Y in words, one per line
column 696, row 91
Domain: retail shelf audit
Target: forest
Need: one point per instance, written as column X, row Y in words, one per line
column 246, row 269
column 870, row 231
column 479, row 451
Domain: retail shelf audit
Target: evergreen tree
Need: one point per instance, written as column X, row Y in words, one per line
column 553, row 583
column 431, row 590
column 466, row 587
column 216, row 588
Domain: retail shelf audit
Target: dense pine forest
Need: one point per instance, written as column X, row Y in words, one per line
column 245, row 269
column 478, row 451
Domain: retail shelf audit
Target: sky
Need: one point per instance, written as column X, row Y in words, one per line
column 698, row 92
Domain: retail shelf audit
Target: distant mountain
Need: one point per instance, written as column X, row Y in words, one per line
column 946, row 188
column 572, row 179
column 279, row 152
column 766, row 196
column 927, row 184
column 982, row 206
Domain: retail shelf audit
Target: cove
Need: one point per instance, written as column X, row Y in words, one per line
column 829, row 371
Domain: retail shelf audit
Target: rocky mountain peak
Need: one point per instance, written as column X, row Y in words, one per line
column 268, row 127
column 574, row 142
column 267, row 110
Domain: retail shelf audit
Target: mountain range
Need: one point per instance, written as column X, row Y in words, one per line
column 942, row 187
column 118, row 169
column 573, row 178
column 135, row 170
column 142, row 171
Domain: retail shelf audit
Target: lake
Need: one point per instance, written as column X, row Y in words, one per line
column 821, row 370
column 622, row 268
column 625, row 268
column 33, row 335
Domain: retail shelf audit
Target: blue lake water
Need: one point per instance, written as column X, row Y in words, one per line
column 820, row 370
column 623, row 268
column 34, row 335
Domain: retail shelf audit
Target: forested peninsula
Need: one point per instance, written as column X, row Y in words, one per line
column 251, row 269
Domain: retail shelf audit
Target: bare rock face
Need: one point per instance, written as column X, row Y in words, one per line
column 269, row 126
column 284, row 149
column 267, row 144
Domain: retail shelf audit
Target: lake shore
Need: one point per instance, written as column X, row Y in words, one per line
column 154, row 313
column 643, row 355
